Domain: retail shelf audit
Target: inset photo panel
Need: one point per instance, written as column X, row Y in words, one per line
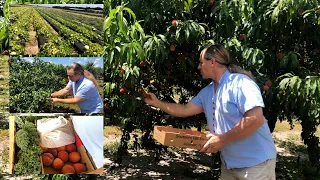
column 4, row 56
column 56, row 85
column 56, row 144
column 56, row 29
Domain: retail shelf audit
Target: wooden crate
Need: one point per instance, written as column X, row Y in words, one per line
column 12, row 142
column 184, row 138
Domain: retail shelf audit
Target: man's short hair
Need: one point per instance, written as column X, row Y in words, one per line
column 77, row 68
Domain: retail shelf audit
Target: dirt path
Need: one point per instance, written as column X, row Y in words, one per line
column 181, row 164
column 31, row 47
column 4, row 143
column 4, row 100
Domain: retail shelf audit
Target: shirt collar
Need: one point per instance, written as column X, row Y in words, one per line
column 81, row 79
column 224, row 77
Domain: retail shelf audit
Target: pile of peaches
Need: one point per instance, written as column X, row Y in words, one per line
column 59, row 158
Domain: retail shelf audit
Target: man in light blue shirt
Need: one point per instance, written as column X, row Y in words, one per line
column 84, row 90
column 233, row 104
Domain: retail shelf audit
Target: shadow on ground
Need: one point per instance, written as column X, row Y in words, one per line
column 190, row 164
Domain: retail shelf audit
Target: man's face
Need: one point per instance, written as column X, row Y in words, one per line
column 205, row 66
column 73, row 77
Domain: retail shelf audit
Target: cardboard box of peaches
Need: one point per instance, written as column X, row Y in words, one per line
column 183, row 138
column 65, row 159
column 69, row 159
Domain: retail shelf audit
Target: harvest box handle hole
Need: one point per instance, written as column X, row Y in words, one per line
column 171, row 140
column 191, row 141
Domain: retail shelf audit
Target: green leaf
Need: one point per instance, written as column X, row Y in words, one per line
column 130, row 12
column 113, row 29
column 293, row 81
column 307, row 87
column 284, row 83
column 187, row 34
column 136, row 71
column 313, row 87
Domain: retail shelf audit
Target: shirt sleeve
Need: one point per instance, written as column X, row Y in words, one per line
column 84, row 91
column 248, row 95
column 69, row 83
column 199, row 99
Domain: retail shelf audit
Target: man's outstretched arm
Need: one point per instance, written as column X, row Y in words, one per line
column 174, row 109
column 74, row 100
column 62, row 92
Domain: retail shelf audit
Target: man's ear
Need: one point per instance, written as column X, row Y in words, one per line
column 212, row 62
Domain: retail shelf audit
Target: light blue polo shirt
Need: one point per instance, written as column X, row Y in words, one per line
column 86, row 89
column 235, row 95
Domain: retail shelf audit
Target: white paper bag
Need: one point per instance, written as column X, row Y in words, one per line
column 55, row 132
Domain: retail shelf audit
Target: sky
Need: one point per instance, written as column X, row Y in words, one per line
column 98, row 61
column 70, row 5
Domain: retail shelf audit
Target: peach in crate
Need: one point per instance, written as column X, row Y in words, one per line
column 184, row 138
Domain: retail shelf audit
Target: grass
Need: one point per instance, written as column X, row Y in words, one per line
column 3, row 133
column 284, row 127
column 112, row 148
column 112, row 130
column 294, row 137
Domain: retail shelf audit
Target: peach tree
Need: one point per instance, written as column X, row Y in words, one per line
column 155, row 46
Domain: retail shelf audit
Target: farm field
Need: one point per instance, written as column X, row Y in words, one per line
column 32, row 80
column 42, row 31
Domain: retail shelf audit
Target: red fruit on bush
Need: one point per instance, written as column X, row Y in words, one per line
column 242, row 37
column 142, row 63
column 265, row 88
column 315, row 51
column 123, row 90
column 121, row 72
column 279, row 56
column 6, row 52
column 174, row 23
column 106, row 106
column 300, row 11
column 268, row 83
column 172, row 48
column 180, row 59
column 211, row 2
column 185, row 53
column 145, row 95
